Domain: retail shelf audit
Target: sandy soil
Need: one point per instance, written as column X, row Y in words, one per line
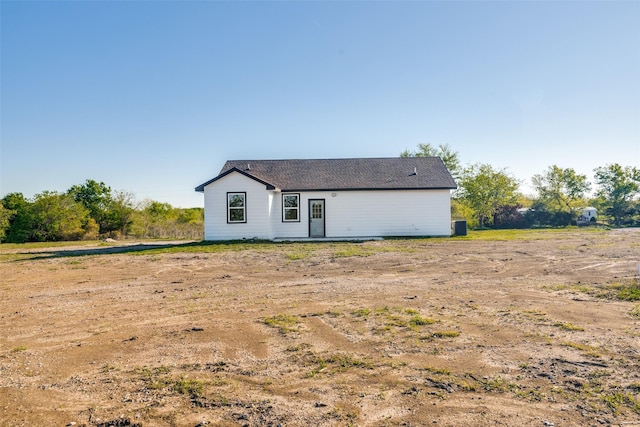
column 446, row 332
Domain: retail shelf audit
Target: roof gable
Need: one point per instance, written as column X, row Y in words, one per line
column 387, row 173
column 222, row 175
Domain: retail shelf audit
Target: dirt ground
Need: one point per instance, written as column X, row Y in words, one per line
column 446, row 332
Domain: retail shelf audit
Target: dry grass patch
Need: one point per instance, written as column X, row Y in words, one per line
column 626, row 290
column 335, row 363
column 618, row 399
column 588, row 350
column 285, row 323
column 565, row 326
column 440, row 334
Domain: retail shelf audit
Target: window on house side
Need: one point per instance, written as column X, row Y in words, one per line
column 236, row 207
column 290, row 207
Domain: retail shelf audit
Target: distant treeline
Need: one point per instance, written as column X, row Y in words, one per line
column 90, row 211
column 489, row 197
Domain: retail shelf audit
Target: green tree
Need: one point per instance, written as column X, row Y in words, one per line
column 159, row 212
column 484, row 190
column 57, row 216
column 560, row 192
column 450, row 158
column 19, row 229
column 191, row 216
column 5, row 216
column 155, row 220
column 617, row 188
column 508, row 216
column 120, row 212
column 96, row 198
column 189, row 223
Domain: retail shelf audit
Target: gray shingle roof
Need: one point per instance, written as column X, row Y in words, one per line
column 389, row 173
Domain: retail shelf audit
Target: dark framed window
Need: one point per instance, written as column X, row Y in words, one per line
column 291, row 207
column 236, row 208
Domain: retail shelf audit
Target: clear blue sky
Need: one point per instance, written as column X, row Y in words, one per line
column 153, row 96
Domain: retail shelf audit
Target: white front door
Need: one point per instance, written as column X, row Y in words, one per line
column 316, row 218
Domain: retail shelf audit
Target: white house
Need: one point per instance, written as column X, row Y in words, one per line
column 328, row 198
column 588, row 215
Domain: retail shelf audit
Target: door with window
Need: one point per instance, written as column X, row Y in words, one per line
column 316, row 218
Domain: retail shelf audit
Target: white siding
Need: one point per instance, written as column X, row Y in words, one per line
column 258, row 216
column 388, row 213
column 347, row 213
column 290, row 229
column 372, row 213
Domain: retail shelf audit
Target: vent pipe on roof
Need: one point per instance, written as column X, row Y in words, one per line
column 248, row 166
column 415, row 171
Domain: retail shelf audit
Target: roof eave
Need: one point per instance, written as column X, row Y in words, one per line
column 292, row 190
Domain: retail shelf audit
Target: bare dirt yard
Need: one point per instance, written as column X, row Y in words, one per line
column 512, row 329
